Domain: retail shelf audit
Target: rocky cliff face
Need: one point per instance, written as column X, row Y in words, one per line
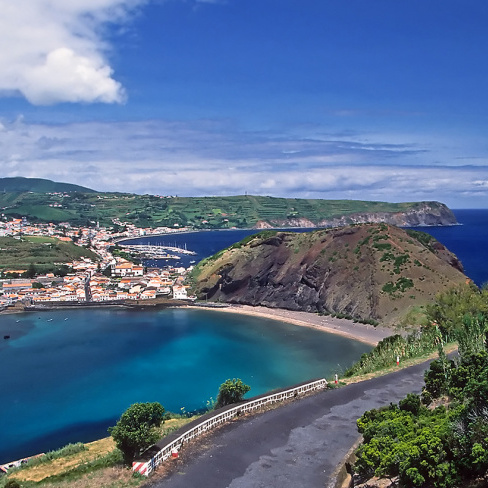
column 422, row 214
column 368, row 271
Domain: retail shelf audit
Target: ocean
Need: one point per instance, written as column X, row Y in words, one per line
column 67, row 376
column 467, row 240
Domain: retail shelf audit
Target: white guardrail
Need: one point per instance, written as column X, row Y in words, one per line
column 146, row 467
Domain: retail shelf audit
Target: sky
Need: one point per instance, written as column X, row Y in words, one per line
column 336, row 99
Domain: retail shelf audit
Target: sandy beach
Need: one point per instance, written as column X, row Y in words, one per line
column 347, row 328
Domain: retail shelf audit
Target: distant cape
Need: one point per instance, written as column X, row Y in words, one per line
column 222, row 212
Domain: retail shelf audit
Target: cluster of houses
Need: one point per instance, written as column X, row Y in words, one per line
column 110, row 279
column 86, row 284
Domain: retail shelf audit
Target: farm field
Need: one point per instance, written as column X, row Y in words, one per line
column 46, row 253
column 243, row 211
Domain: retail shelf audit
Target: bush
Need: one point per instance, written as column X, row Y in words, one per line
column 134, row 431
column 231, row 391
column 410, row 404
column 12, row 484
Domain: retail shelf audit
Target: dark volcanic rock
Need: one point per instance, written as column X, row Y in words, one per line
column 370, row 271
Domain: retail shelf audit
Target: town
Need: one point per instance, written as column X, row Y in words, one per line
column 111, row 277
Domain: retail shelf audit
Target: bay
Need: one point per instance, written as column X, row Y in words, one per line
column 467, row 240
column 67, row 376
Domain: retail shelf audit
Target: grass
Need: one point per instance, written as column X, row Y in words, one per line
column 43, row 252
column 242, row 211
column 95, row 464
column 42, row 468
column 404, row 363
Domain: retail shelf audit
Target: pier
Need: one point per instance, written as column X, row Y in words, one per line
column 157, row 251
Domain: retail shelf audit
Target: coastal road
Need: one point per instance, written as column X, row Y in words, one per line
column 298, row 445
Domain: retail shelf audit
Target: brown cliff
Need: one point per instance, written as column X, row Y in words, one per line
column 369, row 271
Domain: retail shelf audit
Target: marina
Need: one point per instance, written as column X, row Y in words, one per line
column 156, row 251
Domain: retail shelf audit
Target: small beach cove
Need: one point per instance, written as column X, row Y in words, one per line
column 368, row 334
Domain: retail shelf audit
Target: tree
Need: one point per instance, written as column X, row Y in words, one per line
column 31, row 271
column 231, row 391
column 135, row 430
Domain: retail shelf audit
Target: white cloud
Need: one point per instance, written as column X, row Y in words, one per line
column 209, row 158
column 52, row 50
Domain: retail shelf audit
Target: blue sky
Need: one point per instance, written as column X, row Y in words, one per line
column 375, row 100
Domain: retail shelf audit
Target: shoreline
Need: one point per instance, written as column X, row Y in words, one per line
column 361, row 332
column 365, row 333
column 260, row 229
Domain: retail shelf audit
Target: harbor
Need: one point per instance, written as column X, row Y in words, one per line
column 156, row 251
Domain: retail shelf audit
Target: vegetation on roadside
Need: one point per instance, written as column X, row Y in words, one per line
column 65, row 451
column 385, row 353
column 136, row 430
column 455, row 316
column 231, row 391
column 92, row 465
column 441, row 438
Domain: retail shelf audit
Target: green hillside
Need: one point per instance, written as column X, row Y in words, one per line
column 244, row 211
column 372, row 272
column 38, row 185
column 46, row 253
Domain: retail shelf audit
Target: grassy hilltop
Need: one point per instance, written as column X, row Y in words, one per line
column 372, row 272
column 46, row 201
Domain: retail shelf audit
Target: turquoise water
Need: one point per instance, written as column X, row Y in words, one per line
column 67, row 376
column 68, row 380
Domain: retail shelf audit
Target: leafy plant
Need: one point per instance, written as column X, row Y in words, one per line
column 440, row 447
column 231, row 391
column 135, row 430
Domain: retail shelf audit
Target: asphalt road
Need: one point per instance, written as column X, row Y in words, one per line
column 298, row 445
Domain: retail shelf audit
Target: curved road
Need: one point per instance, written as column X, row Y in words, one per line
column 298, row 445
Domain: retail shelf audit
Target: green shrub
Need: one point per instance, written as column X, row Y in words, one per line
column 135, row 430
column 231, row 391
column 382, row 246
